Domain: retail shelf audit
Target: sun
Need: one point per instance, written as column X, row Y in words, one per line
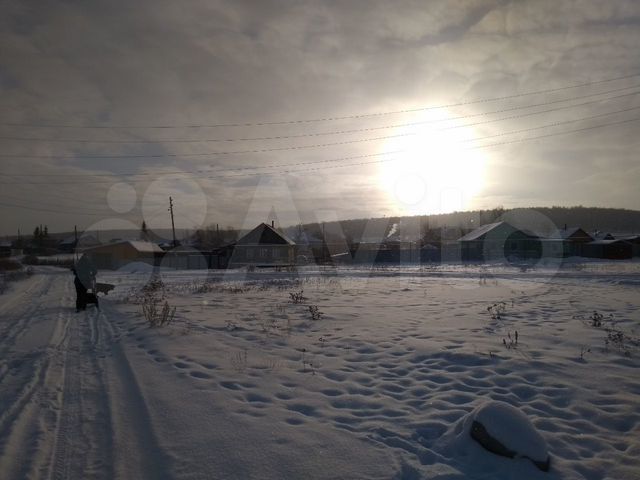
column 435, row 169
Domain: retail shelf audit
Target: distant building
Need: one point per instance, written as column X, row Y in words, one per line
column 498, row 241
column 263, row 246
column 117, row 254
column 5, row 249
column 610, row 249
column 569, row 242
column 634, row 241
column 71, row 245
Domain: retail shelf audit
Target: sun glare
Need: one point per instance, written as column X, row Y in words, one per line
column 435, row 170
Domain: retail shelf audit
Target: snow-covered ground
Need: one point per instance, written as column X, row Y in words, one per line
column 246, row 383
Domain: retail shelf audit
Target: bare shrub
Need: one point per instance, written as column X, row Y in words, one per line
column 315, row 312
column 155, row 316
column 297, row 297
column 497, row 310
column 154, row 285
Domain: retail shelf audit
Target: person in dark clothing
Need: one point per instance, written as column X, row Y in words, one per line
column 81, row 292
column 85, row 278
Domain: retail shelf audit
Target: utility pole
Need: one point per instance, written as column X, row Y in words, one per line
column 173, row 227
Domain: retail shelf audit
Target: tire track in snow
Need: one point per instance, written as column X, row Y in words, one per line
column 83, row 445
column 139, row 454
column 16, row 319
column 70, row 402
column 30, row 391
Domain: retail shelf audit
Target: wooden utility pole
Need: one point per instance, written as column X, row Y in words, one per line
column 173, row 227
column 75, row 246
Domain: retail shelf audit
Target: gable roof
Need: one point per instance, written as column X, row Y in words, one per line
column 483, row 230
column 265, row 234
column 568, row 233
column 479, row 232
column 597, row 235
column 138, row 245
column 146, row 247
column 608, row 241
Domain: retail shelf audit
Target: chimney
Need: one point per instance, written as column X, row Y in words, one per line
column 272, row 223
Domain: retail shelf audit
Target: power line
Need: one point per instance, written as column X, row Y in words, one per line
column 347, row 131
column 63, row 212
column 325, row 119
column 295, row 147
column 506, row 142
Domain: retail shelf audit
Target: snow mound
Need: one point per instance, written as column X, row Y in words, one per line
column 504, row 430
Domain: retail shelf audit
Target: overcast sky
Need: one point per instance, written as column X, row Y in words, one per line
column 314, row 110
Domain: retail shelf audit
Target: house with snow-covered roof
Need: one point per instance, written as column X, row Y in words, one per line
column 117, row 254
column 568, row 242
column 262, row 247
column 499, row 240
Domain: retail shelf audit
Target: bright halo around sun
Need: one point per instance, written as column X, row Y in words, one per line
column 435, row 170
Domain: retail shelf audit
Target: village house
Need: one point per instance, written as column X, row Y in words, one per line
column 72, row 244
column 5, row 249
column 117, row 254
column 568, row 242
column 263, row 246
column 499, row 240
column 612, row 249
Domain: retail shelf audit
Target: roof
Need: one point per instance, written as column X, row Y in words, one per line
column 481, row 231
column 607, row 242
column 265, row 234
column 602, row 236
column 566, row 233
column 82, row 240
column 140, row 246
column 69, row 240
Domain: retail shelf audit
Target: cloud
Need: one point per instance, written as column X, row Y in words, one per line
column 165, row 63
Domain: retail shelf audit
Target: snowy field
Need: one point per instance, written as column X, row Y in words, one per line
column 347, row 374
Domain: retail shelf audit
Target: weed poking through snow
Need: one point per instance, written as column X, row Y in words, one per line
column 297, row 297
column 497, row 310
column 511, row 341
column 584, row 349
column 315, row 312
column 616, row 338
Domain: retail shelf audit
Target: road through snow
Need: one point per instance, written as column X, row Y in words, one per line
column 71, row 407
